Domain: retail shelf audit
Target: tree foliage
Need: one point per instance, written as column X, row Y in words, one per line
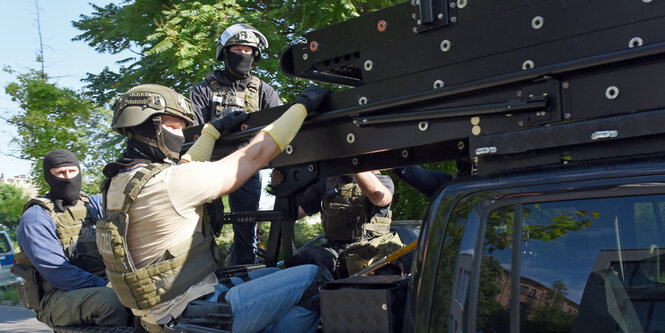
column 12, row 200
column 51, row 117
column 174, row 41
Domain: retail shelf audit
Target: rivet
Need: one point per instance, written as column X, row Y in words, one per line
column 635, row 42
column 423, row 126
column 350, row 138
column 461, row 3
column 405, row 153
column 304, row 56
column 438, row 84
column 289, row 150
column 537, row 22
column 527, row 64
column 475, row 130
column 565, row 85
column 310, row 167
column 475, row 120
column 354, row 161
column 460, row 145
column 612, row 92
column 445, row 45
column 453, row 19
column 362, row 100
column 368, row 65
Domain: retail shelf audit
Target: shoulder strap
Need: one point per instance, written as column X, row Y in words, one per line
column 140, row 178
column 252, row 94
column 42, row 202
column 214, row 83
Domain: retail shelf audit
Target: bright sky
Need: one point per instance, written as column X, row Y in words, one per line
column 67, row 62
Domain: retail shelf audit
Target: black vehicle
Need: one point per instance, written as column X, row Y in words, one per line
column 575, row 250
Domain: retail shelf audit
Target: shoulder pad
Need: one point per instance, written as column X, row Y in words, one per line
column 45, row 203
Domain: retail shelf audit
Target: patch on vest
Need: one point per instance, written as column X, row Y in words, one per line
column 104, row 243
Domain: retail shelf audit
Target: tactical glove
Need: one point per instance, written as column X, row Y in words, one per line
column 311, row 97
column 230, row 121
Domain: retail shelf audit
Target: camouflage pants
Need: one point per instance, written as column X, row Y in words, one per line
column 86, row 306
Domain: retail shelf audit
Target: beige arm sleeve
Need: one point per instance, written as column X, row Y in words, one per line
column 202, row 148
column 284, row 129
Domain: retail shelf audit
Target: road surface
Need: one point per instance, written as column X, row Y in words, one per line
column 17, row 319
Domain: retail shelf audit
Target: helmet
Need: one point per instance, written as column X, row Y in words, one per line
column 241, row 34
column 147, row 102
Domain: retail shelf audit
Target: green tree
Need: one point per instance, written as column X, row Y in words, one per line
column 409, row 204
column 174, row 41
column 51, row 117
column 12, row 200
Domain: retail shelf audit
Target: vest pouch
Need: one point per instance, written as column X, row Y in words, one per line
column 363, row 253
column 30, row 292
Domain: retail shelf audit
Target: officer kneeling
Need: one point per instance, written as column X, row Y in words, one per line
column 159, row 252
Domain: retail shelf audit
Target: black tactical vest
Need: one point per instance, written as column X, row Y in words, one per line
column 226, row 100
column 346, row 212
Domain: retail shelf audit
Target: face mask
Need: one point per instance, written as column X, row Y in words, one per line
column 67, row 190
column 239, row 64
column 172, row 142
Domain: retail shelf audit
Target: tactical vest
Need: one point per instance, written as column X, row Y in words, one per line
column 346, row 212
column 225, row 99
column 180, row 267
column 75, row 228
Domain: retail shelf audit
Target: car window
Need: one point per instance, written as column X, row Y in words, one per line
column 4, row 244
column 584, row 266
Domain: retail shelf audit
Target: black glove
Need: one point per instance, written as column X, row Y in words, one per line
column 230, row 121
column 311, row 97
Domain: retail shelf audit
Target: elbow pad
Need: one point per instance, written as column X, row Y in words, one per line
column 202, row 148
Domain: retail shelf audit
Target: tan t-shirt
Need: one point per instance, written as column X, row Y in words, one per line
column 167, row 212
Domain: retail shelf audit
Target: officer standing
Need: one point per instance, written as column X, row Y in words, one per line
column 235, row 88
column 158, row 248
column 59, row 262
column 355, row 210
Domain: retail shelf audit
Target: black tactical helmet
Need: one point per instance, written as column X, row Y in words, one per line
column 241, row 34
column 147, row 102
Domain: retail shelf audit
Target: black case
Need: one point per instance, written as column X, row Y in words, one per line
column 363, row 304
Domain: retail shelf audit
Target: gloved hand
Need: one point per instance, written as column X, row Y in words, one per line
column 311, row 97
column 230, row 121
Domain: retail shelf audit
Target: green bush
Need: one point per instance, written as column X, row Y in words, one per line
column 9, row 293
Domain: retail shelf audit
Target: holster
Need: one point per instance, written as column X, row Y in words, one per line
column 30, row 291
column 202, row 316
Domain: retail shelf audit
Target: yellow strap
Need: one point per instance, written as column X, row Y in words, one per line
column 201, row 150
column 284, row 129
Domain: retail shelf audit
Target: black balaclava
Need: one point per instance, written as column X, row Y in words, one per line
column 239, row 64
column 63, row 192
column 139, row 152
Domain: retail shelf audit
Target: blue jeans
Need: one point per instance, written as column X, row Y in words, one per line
column 268, row 303
column 246, row 198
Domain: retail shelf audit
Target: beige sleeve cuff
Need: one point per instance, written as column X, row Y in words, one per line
column 202, row 148
column 285, row 128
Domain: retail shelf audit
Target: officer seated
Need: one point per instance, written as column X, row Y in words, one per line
column 355, row 215
column 63, row 273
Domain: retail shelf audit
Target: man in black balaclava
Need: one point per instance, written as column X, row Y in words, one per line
column 235, row 88
column 63, row 274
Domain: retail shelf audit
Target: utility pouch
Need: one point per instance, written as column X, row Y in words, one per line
column 361, row 254
column 30, row 291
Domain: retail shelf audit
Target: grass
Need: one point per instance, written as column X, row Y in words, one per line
column 9, row 293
